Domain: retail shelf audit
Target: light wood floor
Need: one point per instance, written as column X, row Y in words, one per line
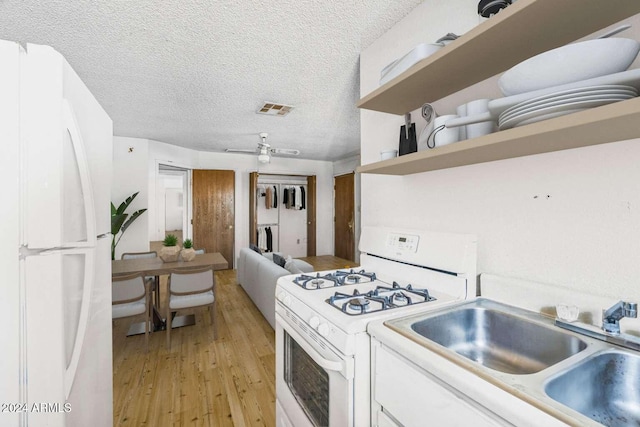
column 201, row 382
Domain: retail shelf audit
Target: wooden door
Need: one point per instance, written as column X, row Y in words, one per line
column 253, row 207
column 214, row 212
column 311, row 215
column 344, row 225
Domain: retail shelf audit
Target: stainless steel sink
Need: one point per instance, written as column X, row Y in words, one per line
column 499, row 340
column 576, row 378
column 603, row 387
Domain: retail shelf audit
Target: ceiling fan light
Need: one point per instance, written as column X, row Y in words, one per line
column 263, row 158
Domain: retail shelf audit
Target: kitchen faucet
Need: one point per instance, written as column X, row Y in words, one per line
column 610, row 330
column 611, row 317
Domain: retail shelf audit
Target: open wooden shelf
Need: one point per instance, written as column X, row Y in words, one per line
column 609, row 123
column 522, row 30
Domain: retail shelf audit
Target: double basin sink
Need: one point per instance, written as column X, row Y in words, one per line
column 524, row 350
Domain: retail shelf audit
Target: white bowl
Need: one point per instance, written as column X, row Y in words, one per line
column 570, row 63
column 388, row 154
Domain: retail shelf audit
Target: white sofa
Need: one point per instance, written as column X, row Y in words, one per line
column 258, row 274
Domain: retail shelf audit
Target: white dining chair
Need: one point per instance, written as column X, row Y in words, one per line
column 131, row 296
column 154, row 280
column 190, row 288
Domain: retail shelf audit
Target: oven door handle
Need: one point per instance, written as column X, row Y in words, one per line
column 329, row 365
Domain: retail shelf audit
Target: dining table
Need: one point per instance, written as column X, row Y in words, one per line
column 156, row 267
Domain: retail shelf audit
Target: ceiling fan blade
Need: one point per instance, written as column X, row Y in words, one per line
column 241, row 150
column 287, row 151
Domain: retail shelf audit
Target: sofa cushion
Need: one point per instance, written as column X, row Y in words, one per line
column 258, row 275
column 269, row 255
column 292, row 267
column 279, row 260
column 255, row 248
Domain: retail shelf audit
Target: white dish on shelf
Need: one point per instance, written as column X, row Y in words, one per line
column 570, row 63
column 572, row 94
column 504, row 116
column 499, row 105
column 627, row 78
column 549, row 116
column 402, row 64
column 567, row 108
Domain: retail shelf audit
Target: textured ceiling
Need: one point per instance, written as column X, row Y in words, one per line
column 193, row 72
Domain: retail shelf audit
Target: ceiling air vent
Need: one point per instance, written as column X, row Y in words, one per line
column 273, row 109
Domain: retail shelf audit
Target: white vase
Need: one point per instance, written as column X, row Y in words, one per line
column 169, row 253
column 188, row 254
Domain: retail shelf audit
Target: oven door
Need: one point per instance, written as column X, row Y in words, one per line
column 314, row 384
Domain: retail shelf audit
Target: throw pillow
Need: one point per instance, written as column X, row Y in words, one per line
column 292, row 267
column 255, row 248
column 279, row 260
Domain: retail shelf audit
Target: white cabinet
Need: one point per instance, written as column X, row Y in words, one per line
column 415, row 398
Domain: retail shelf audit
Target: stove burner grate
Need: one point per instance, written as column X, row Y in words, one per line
column 381, row 298
column 353, row 277
column 338, row 278
column 315, row 282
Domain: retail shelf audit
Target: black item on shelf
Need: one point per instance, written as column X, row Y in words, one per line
column 408, row 144
column 486, row 8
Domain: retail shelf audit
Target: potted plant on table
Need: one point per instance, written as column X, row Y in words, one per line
column 170, row 251
column 187, row 253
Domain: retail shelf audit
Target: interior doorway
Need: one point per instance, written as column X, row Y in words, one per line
column 311, row 194
column 172, row 203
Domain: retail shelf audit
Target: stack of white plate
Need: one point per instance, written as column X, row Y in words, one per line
column 563, row 102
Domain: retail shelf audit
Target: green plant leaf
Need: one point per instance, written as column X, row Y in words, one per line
column 134, row 215
column 124, row 205
column 170, row 240
column 119, row 221
column 116, row 222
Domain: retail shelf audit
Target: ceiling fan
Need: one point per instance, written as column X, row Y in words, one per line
column 264, row 150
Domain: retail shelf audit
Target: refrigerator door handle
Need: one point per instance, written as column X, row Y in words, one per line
column 85, row 177
column 83, row 319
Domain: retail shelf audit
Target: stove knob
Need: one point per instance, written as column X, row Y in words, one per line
column 323, row 330
column 314, row 322
column 281, row 296
column 286, row 300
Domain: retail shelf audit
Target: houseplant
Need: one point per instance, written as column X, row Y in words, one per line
column 187, row 253
column 120, row 223
column 170, row 250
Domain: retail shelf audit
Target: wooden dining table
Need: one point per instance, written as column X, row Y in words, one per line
column 156, row 267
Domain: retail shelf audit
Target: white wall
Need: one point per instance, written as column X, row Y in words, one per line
column 129, row 176
column 138, row 171
column 570, row 218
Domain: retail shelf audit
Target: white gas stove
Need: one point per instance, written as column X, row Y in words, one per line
column 322, row 348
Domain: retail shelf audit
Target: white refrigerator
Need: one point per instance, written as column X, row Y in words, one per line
column 55, row 301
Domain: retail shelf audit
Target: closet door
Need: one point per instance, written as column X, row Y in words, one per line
column 214, row 212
